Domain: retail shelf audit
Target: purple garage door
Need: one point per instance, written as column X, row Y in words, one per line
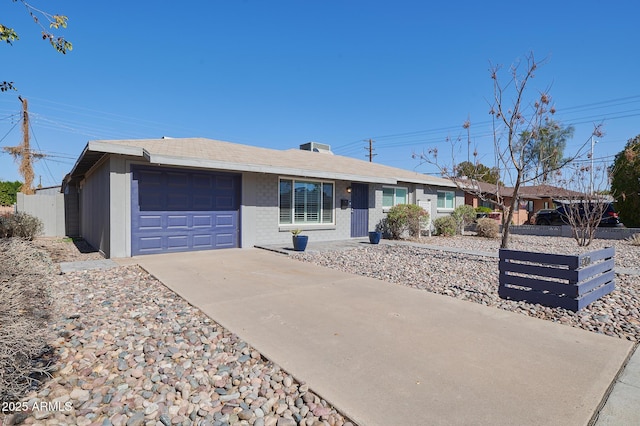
column 181, row 210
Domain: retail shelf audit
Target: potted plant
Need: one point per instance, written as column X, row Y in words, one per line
column 375, row 236
column 299, row 241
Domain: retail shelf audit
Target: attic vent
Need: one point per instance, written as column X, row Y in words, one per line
column 316, row 147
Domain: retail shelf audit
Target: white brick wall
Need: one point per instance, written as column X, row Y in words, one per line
column 266, row 214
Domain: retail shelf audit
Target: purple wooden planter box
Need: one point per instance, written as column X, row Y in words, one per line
column 559, row 281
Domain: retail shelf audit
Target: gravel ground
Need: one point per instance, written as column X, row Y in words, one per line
column 475, row 278
column 131, row 352
column 627, row 255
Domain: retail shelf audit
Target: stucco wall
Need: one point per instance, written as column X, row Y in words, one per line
column 120, row 207
column 95, row 209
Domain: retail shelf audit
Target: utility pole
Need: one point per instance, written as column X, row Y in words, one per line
column 370, row 149
column 26, row 168
column 23, row 151
column 593, row 142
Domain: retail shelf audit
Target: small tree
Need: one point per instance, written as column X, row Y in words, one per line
column 546, row 150
column 625, row 183
column 463, row 215
column 517, row 119
column 584, row 211
column 478, row 172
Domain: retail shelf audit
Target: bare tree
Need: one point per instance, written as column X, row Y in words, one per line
column 517, row 118
column 585, row 211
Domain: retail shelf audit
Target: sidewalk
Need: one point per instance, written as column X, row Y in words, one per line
column 390, row 355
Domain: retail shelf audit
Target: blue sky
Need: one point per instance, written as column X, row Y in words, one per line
column 280, row 73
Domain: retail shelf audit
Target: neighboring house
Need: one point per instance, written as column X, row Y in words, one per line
column 162, row 195
column 531, row 198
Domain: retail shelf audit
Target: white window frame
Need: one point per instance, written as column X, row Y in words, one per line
column 295, row 223
column 446, row 209
column 406, row 201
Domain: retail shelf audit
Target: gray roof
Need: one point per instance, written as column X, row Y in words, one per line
column 213, row 154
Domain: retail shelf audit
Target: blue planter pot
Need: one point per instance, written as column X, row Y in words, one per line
column 374, row 237
column 300, row 242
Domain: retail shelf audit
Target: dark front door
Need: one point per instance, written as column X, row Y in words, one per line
column 359, row 210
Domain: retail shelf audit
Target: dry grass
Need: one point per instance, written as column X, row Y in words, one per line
column 25, row 305
column 634, row 240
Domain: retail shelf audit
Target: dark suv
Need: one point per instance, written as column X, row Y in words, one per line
column 559, row 216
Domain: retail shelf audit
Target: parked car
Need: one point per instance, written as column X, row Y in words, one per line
column 559, row 216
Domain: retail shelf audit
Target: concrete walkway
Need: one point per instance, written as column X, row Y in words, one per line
column 391, row 355
column 84, row 265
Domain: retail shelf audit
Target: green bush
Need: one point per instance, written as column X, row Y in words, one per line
column 488, row 228
column 445, row 226
column 405, row 217
column 482, row 209
column 21, row 225
column 463, row 215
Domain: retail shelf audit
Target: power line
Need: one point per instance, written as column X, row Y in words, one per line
column 577, row 108
column 10, row 130
column 39, row 149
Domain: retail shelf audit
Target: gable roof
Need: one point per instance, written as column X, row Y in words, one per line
column 548, row 191
column 473, row 186
column 530, row 192
column 214, row 154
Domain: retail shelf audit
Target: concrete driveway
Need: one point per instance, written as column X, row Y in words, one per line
column 391, row 355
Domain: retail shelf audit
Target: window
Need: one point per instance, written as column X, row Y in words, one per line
column 446, row 200
column 305, row 202
column 487, row 203
column 392, row 196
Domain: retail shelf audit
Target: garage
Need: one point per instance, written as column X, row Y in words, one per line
column 183, row 210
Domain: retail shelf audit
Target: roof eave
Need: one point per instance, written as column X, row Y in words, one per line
column 256, row 168
column 95, row 150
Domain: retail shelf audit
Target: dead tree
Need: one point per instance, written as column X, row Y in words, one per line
column 584, row 211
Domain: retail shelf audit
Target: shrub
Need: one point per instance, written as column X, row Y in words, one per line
column 20, row 225
column 482, row 209
column 488, row 228
column 463, row 216
column 405, row 217
column 634, row 240
column 445, row 226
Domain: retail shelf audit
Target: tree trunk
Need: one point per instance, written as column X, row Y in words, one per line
column 506, row 225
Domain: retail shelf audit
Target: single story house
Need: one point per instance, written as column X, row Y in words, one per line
column 531, row 198
column 133, row 197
